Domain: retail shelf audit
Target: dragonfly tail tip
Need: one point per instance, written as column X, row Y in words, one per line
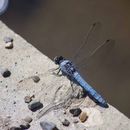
column 105, row 105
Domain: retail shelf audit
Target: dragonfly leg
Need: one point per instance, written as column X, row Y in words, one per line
column 54, row 69
column 72, row 85
column 57, row 73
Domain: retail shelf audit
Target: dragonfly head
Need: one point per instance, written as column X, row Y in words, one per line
column 58, row 59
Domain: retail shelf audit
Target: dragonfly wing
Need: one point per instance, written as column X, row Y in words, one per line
column 105, row 47
column 92, row 34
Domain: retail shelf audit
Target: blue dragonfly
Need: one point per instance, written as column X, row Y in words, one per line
column 68, row 69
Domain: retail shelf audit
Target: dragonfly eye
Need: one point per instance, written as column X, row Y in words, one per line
column 57, row 59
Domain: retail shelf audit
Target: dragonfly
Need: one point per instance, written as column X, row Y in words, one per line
column 69, row 69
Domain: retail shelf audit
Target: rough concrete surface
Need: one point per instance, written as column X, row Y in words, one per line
column 25, row 61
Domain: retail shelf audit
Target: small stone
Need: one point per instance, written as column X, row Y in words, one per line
column 28, row 119
column 14, row 102
column 48, row 125
column 66, row 122
column 82, row 94
column 36, row 79
column 8, row 39
column 9, row 45
column 35, row 105
column 5, row 72
column 83, row 116
column 24, row 125
column 27, row 99
column 75, row 111
column 15, row 63
column 75, row 121
column 64, row 112
column 15, row 128
column 9, row 42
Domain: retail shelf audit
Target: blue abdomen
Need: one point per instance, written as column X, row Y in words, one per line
column 96, row 96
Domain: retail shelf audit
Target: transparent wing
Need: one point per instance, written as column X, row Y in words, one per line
column 90, row 45
column 88, row 42
column 85, row 41
column 106, row 46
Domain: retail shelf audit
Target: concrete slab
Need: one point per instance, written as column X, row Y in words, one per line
column 25, row 61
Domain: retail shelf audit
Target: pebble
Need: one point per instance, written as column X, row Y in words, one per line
column 66, row 122
column 83, row 116
column 28, row 119
column 15, row 128
column 9, row 42
column 64, row 112
column 14, row 102
column 5, row 72
column 9, row 45
column 82, row 94
column 24, row 125
column 8, row 39
column 35, row 105
column 75, row 111
column 28, row 99
column 36, row 79
column 48, row 125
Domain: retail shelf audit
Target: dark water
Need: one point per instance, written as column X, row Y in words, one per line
column 57, row 27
